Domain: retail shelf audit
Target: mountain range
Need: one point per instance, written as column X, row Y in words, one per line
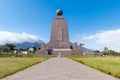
column 28, row 44
column 37, row 44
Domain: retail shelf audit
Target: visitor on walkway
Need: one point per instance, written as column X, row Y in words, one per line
column 59, row 55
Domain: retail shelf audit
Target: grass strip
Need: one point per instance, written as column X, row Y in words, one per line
column 109, row 65
column 9, row 65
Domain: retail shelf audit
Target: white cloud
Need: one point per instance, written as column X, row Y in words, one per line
column 109, row 38
column 10, row 37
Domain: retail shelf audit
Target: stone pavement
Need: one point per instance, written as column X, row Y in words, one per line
column 59, row 69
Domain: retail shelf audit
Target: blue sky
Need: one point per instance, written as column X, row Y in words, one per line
column 86, row 18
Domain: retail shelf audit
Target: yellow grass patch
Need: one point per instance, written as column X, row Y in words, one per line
column 109, row 65
column 11, row 65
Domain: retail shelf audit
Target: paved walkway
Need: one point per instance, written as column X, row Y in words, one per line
column 59, row 69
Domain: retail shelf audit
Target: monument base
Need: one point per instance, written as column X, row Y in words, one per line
column 56, row 52
column 62, row 52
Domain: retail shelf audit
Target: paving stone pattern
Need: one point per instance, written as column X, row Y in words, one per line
column 60, row 69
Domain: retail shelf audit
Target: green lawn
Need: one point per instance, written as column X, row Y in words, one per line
column 109, row 65
column 11, row 65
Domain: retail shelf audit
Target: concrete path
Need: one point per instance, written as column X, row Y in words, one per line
column 60, row 69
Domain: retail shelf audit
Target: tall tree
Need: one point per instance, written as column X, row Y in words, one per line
column 96, row 51
column 9, row 47
column 0, row 47
column 110, row 52
column 34, row 49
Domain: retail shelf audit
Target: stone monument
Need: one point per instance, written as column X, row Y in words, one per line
column 59, row 34
column 59, row 39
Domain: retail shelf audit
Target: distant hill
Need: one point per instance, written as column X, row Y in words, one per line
column 86, row 51
column 38, row 44
column 28, row 44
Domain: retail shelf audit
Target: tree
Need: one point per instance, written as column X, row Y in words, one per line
column 8, row 47
column 23, row 49
column 110, row 52
column 11, row 46
column 0, row 47
column 118, row 53
column 96, row 51
column 34, row 49
column 105, row 53
column 105, row 49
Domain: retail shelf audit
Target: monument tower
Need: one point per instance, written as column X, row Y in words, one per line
column 59, row 38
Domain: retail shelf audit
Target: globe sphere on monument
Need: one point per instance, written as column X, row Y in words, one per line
column 59, row 12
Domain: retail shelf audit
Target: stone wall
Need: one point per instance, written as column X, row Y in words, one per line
column 41, row 53
column 76, row 50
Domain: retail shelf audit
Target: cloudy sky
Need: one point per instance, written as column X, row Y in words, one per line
column 96, row 23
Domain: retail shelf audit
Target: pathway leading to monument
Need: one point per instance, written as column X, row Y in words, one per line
column 60, row 69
